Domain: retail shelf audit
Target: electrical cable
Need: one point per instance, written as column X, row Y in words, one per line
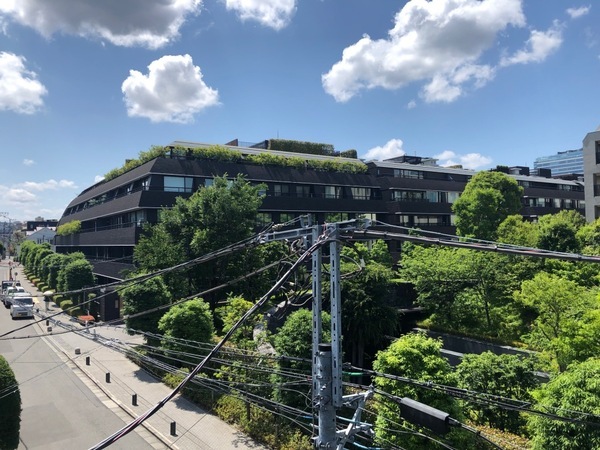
column 128, row 428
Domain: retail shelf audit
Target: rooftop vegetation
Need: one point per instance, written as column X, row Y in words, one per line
column 222, row 154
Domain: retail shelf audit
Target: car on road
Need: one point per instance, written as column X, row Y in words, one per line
column 11, row 291
column 21, row 306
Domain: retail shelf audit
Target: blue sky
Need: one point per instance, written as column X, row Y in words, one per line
column 87, row 84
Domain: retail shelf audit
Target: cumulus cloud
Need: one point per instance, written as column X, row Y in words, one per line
column 275, row 14
column 575, row 13
column 28, row 162
column 148, row 23
column 436, row 42
column 537, row 48
column 20, row 91
column 48, row 185
column 467, row 161
column 172, row 91
column 391, row 149
column 18, row 196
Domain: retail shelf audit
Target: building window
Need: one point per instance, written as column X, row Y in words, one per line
column 407, row 173
column 303, row 191
column 263, row 219
column 209, row 182
column 281, row 190
column 597, row 152
column 286, row 217
column 360, row 193
column 178, row 184
column 336, row 217
column 333, row 191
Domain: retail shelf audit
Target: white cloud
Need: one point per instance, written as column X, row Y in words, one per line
column 438, row 42
column 391, row 149
column 575, row 13
column 18, row 196
column 412, row 104
column 271, row 13
column 48, row 185
column 467, row 161
column 537, row 48
column 98, row 178
column 173, row 91
column 20, row 91
column 28, row 162
column 148, row 23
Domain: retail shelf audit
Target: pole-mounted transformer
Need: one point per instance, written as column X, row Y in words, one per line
column 419, row 413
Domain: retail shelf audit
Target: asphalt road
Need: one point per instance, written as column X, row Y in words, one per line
column 59, row 410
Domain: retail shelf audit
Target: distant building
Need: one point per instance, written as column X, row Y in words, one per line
column 591, row 156
column 408, row 191
column 569, row 162
column 41, row 235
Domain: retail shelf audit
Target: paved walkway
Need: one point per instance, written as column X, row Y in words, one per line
column 179, row 424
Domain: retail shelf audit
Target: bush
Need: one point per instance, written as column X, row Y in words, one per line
column 72, row 227
column 10, row 407
column 65, row 303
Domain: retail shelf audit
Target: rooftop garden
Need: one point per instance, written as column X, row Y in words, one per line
column 223, row 154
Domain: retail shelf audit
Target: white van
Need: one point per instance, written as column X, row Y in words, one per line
column 21, row 306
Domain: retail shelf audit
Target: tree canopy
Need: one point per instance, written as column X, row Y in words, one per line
column 213, row 218
column 488, row 199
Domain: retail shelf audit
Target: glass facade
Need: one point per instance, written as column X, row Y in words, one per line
column 563, row 163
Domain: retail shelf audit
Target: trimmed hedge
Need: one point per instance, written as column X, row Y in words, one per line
column 10, row 407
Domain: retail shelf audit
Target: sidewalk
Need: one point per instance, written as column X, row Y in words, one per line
column 114, row 379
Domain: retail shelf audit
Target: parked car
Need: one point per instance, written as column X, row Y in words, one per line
column 11, row 291
column 21, row 306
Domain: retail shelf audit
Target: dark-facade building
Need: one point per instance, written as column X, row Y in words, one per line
column 409, row 192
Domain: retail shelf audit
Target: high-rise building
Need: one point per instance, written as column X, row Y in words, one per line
column 569, row 162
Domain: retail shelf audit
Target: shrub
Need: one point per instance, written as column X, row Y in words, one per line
column 65, row 303
column 10, row 407
column 72, row 227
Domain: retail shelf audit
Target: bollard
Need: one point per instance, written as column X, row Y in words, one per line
column 77, row 351
column 173, row 428
column 108, row 377
column 134, row 399
column 87, row 360
column 47, row 322
column 49, row 329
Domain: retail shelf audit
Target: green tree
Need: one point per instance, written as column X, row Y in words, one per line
column 562, row 308
column 367, row 315
column 10, row 407
column 212, row 218
column 416, row 357
column 231, row 313
column 516, row 230
column 558, row 232
column 462, row 289
column 141, row 297
column 588, row 236
column 185, row 325
column 488, row 199
column 438, row 275
column 576, row 389
column 510, row 376
column 294, row 339
column 76, row 275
